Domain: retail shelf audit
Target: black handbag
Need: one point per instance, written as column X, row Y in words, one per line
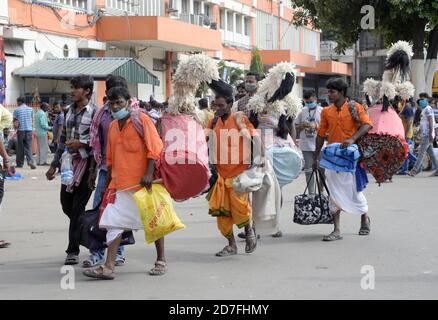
column 94, row 238
column 313, row 208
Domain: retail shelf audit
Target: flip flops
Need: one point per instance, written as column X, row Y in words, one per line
column 227, row 251
column 251, row 241
column 159, row 269
column 4, row 244
column 101, row 273
column 332, row 237
column 365, row 229
column 71, row 259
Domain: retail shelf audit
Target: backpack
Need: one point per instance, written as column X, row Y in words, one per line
column 333, row 157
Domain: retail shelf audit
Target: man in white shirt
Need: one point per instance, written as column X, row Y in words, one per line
column 306, row 125
column 427, row 124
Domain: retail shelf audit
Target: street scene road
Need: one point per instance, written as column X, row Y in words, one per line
column 401, row 249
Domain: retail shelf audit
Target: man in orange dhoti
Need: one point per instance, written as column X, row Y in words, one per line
column 230, row 145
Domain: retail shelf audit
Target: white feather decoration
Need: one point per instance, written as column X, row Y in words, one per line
column 401, row 45
column 405, row 90
column 372, row 87
column 267, row 87
column 191, row 72
column 388, row 90
column 293, row 106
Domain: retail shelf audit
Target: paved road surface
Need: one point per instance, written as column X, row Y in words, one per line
column 402, row 248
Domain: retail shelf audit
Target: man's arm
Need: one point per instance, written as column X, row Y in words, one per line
column 431, row 128
column 319, row 144
column 147, row 179
column 363, row 130
column 5, row 156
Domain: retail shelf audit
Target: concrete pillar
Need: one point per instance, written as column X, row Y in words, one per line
column 169, row 59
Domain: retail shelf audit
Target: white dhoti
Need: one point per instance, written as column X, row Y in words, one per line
column 266, row 204
column 343, row 193
column 120, row 216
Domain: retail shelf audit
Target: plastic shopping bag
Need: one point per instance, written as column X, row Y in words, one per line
column 157, row 213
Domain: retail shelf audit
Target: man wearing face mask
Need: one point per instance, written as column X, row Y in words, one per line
column 98, row 167
column 427, row 131
column 306, row 125
column 251, row 85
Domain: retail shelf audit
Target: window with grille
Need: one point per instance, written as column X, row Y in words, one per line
column 77, row 4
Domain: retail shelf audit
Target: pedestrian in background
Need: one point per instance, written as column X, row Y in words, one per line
column 307, row 124
column 42, row 129
column 427, row 132
column 23, row 123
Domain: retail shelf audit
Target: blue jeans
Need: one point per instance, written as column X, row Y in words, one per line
column 101, row 180
column 425, row 147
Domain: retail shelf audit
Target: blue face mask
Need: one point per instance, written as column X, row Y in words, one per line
column 423, row 103
column 121, row 114
column 311, row 105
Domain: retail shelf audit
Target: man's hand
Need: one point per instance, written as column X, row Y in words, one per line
column 74, row 144
column 50, row 174
column 92, row 179
column 431, row 138
column 347, row 143
column 146, row 181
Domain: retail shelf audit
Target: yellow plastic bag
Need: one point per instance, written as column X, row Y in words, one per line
column 157, row 213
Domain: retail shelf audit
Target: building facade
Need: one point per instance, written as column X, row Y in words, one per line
column 157, row 33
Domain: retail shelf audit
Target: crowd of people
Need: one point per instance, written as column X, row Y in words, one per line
column 116, row 150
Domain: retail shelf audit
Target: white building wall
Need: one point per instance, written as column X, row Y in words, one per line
column 4, row 11
column 266, row 31
column 144, row 91
column 310, row 42
column 44, row 46
column 290, row 36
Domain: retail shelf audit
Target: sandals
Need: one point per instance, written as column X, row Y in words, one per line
column 159, row 269
column 251, row 241
column 278, row 234
column 71, row 259
column 412, row 173
column 93, row 261
column 4, row 244
column 365, row 229
column 242, row 235
column 332, row 237
column 227, row 251
column 101, row 272
column 120, row 261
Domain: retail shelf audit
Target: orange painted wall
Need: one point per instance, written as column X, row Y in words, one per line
column 267, row 6
column 238, row 55
column 271, row 57
column 158, row 28
column 42, row 18
column 330, row 67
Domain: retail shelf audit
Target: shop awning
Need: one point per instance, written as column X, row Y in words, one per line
column 98, row 68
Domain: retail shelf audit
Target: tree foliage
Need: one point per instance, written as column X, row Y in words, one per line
column 256, row 62
column 411, row 20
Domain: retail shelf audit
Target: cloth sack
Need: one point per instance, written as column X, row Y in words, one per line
column 287, row 163
column 249, row 180
column 338, row 159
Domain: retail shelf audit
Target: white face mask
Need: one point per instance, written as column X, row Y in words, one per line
column 251, row 87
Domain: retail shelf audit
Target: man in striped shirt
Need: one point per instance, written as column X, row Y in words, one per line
column 24, row 133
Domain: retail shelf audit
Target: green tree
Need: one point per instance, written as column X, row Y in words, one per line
column 256, row 62
column 411, row 20
column 233, row 74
